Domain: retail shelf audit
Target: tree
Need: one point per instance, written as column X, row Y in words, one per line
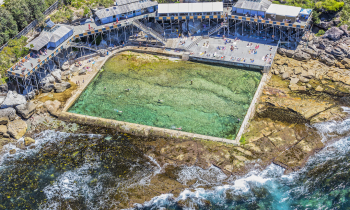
column 20, row 12
column 37, row 7
column 8, row 26
column 329, row 5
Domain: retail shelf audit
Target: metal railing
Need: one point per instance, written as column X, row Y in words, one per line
column 218, row 27
column 193, row 43
column 149, row 31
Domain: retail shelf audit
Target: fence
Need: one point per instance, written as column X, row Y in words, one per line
column 33, row 24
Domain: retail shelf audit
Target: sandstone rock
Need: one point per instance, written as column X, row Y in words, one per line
column 10, row 113
column 302, row 88
column 281, row 51
column 4, row 88
column 346, row 61
column 319, row 89
column 60, row 87
column 333, row 33
column 65, row 66
column 304, row 79
column 47, row 80
column 3, row 129
column 12, row 151
column 47, row 88
column 13, row 99
column 285, row 75
column 298, row 70
column 338, row 53
column 66, row 73
column 311, row 52
column 28, row 141
column 281, row 69
column 344, row 28
column 17, row 128
column 300, row 56
column 325, row 59
column 294, row 80
column 57, row 75
column 82, row 72
column 293, row 87
column 20, row 145
column 325, row 24
column 289, row 53
column 4, row 120
column 309, row 86
column 52, row 106
column 26, row 110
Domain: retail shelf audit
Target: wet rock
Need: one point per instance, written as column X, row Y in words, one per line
column 57, row 75
column 10, row 113
column 26, row 110
column 52, row 106
column 4, row 120
column 60, row 87
column 28, row 141
column 3, row 129
column 12, row 151
column 319, row 89
column 333, row 33
column 13, row 99
column 17, row 128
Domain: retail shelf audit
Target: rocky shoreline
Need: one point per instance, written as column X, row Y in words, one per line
column 297, row 95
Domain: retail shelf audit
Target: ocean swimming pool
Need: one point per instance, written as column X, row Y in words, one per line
column 180, row 95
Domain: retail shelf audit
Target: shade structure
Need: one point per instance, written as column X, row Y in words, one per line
column 190, row 7
column 305, row 11
column 283, row 10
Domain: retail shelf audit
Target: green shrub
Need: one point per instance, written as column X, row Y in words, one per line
column 320, row 32
column 276, row 2
column 243, row 141
column 329, row 5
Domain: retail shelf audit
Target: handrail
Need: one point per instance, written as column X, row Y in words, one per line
column 149, row 31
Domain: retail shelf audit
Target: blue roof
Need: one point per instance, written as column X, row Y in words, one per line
column 50, row 24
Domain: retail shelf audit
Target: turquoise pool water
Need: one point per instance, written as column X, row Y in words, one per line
column 179, row 95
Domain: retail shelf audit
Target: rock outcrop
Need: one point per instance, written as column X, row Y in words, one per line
column 48, row 87
column 334, row 33
column 17, row 128
column 28, row 141
column 13, row 99
column 52, row 106
column 60, row 87
column 57, row 75
column 26, row 110
column 9, row 113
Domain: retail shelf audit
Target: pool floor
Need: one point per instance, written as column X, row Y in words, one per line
column 180, row 95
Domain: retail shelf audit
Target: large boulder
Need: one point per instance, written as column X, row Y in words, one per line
column 48, row 79
column 289, row 53
column 60, row 87
column 52, row 106
column 57, row 75
column 13, row 99
column 17, row 128
column 10, row 113
column 82, row 72
column 47, row 88
column 4, row 88
column 345, row 29
column 338, row 53
column 334, row 33
column 281, row 51
column 26, row 110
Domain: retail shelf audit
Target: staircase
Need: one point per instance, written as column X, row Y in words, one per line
column 193, row 43
column 83, row 46
column 149, row 31
column 217, row 28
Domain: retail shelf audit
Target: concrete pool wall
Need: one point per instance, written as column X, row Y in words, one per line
column 150, row 131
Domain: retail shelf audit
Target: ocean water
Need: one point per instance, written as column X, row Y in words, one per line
column 179, row 95
column 92, row 171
